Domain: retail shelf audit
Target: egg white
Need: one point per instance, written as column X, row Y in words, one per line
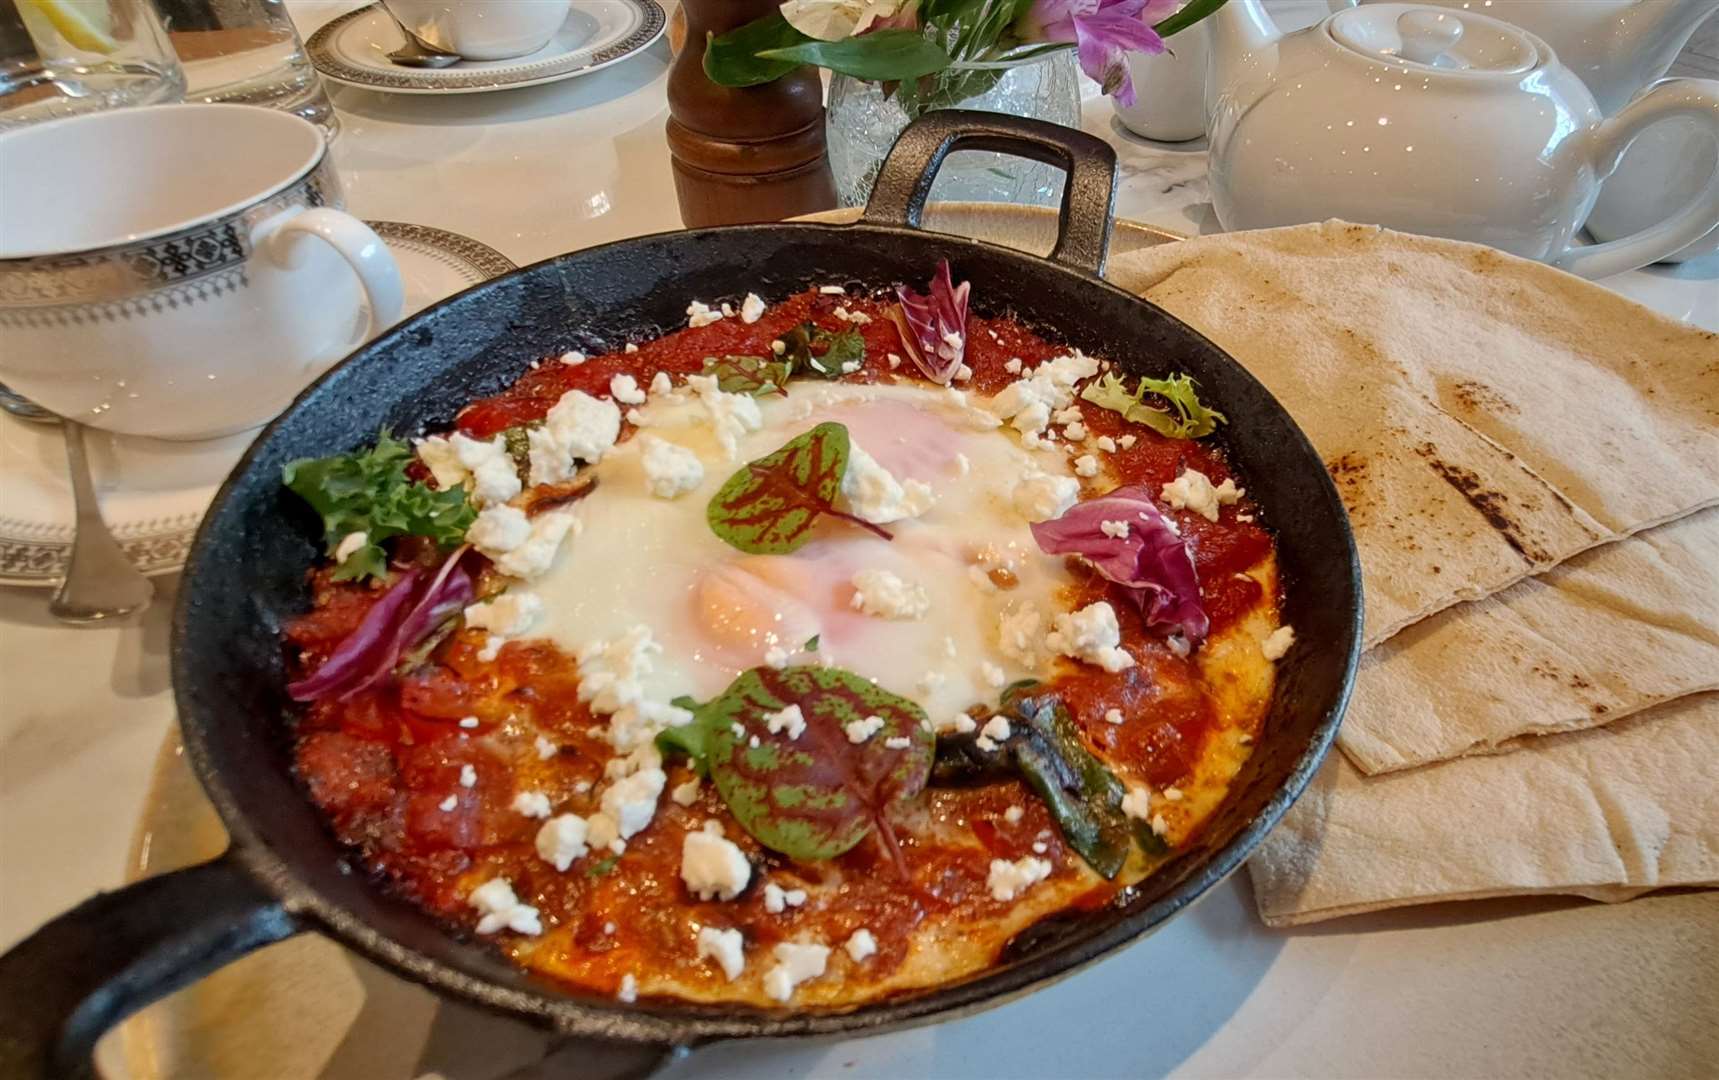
column 716, row 611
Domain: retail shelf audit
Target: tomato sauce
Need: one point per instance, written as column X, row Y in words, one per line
column 386, row 765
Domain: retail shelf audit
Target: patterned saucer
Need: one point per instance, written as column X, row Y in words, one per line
column 353, row 49
column 153, row 492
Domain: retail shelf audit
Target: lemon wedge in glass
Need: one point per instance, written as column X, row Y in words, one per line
column 84, row 24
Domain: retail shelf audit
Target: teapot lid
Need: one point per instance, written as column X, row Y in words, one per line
column 1440, row 38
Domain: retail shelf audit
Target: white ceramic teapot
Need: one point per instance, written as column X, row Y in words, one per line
column 1429, row 120
column 1617, row 47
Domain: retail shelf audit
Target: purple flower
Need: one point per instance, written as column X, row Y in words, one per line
column 1104, row 33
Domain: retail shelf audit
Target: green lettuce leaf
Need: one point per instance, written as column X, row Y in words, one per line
column 1187, row 417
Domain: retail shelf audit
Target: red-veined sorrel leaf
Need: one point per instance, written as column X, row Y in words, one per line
column 816, row 795
column 933, row 327
column 752, row 375
column 769, row 506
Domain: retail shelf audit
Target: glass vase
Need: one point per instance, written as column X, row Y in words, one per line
column 863, row 123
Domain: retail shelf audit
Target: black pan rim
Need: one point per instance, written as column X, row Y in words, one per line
column 690, row 1025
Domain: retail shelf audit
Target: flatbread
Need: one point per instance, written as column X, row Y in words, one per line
column 1486, row 417
column 1614, row 630
column 1607, row 814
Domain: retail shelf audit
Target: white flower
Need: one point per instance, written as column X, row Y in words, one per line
column 834, row 20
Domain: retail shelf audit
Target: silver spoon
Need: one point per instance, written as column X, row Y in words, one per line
column 100, row 582
column 418, row 53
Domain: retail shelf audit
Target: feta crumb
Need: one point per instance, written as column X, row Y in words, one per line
column 1086, row 465
column 632, row 800
column 578, row 427
column 751, row 310
column 897, row 742
column 448, row 803
column 629, row 348
column 731, row 415
column 790, row 719
column 860, row 945
column 795, row 963
column 996, row 728
column 502, row 909
column 546, row 749
column 753, row 742
column 963, row 374
column 1105, row 443
column 959, row 724
column 778, row 346
column 1174, row 794
column 685, row 794
column 858, row 318
column 1041, row 496
column 1019, row 633
column 629, row 991
column 625, row 389
column 778, row 899
column 1008, row 880
column 572, row 358
column 492, row 644
column 870, row 492
column 1137, row 803
column 510, row 614
column 882, row 594
column 699, row 313
column 1014, row 814
column 1013, row 366
column 992, row 674
column 1091, row 634
column 1113, row 716
column 832, row 290
column 894, row 361
column 776, row 656
column 1160, row 827
column 349, row 543
column 929, row 682
column 1070, row 415
column 1127, row 441
column 531, row 804
column 985, row 743
column 562, row 840
column 661, row 383
column 469, row 722
column 859, row 731
column 671, row 470
column 1075, row 431
column 1278, row 643
column 726, row 947
column 1027, row 403
column 1117, row 530
column 520, row 547
column 1193, row 490
column 468, row 776
column 713, row 867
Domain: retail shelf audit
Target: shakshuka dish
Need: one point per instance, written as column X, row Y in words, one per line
column 801, row 657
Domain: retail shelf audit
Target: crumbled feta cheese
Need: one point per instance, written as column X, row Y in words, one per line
column 882, row 594
column 713, row 867
column 959, row 724
column 778, row 899
column 546, row 749
column 439, row 456
column 1137, row 803
column 929, row 682
column 468, row 776
column 992, row 674
column 1091, row 634
column 897, row 742
column 578, row 427
column 1278, row 643
column 699, row 313
column 1019, row 634
column 894, row 361
column 858, row 318
column 1008, row 880
column 671, row 470
column 751, row 308
column 492, row 644
column 1115, row 529
column 469, row 722
column 629, row 991
column 1074, row 432
column 790, row 719
column 1113, row 716
column 1193, row 490
column 629, row 348
column 1029, row 401
column 349, row 543
column 1174, row 794
column 1040, row 847
column 448, row 803
column 572, row 358
column 509, row 614
column 731, row 415
column 996, row 728
column 502, row 909
column 625, row 389
column 872, row 494
column 1040, row 496
column 632, row 801
column 531, row 804
column 1014, row 814
column 520, row 547
column 685, row 794
column 1160, row 827
column 602, row 832
column 859, row 731
column 1105, row 443
column 776, row 656
column 963, row 374
column 562, row 840
column 609, row 671
column 795, row 963
column 1127, row 441
column 726, row 947
column 1086, row 465
column 1070, row 415
column 832, row 290
column 1013, row 366
column 860, row 945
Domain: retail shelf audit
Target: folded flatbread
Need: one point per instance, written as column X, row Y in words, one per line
column 1485, row 417
column 1607, row 813
column 1614, row 630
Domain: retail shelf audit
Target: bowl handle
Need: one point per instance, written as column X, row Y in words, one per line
column 1088, row 197
column 65, row 985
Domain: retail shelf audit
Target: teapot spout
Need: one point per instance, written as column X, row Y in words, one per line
column 1639, row 47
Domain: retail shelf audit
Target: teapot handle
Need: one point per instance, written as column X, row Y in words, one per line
column 1697, row 99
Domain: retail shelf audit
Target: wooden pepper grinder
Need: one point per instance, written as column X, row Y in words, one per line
column 750, row 154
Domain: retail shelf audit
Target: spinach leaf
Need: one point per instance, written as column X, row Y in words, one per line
column 749, row 374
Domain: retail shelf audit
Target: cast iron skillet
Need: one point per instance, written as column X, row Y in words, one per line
column 285, row 874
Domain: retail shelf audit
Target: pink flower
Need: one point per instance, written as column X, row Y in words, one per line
column 1104, row 33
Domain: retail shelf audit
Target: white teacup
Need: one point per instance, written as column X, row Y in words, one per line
column 179, row 271
column 482, row 29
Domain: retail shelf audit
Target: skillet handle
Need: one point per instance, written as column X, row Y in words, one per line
column 65, row 985
column 1088, row 197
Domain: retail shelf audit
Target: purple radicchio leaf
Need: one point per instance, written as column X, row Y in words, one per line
column 933, row 327
column 407, row 612
column 1150, row 562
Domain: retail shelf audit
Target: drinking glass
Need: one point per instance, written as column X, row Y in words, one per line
column 63, row 57
column 246, row 52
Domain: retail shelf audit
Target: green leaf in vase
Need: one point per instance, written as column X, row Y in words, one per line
column 769, row 506
column 752, row 375
column 816, row 794
column 878, row 56
column 733, row 59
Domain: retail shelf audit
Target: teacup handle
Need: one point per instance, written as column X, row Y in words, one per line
column 355, row 241
column 1697, row 99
